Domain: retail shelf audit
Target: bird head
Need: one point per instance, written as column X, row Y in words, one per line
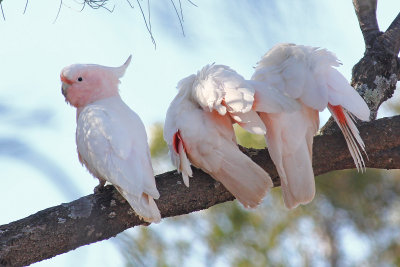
column 83, row 84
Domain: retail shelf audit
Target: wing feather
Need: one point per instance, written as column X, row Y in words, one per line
column 341, row 93
column 222, row 159
column 300, row 72
column 308, row 74
column 209, row 143
column 112, row 141
column 289, row 139
column 223, row 89
column 250, row 121
column 270, row 100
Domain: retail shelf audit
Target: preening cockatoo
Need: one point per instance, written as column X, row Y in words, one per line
column 111, row 138
column 198, row 130
column 306, row 74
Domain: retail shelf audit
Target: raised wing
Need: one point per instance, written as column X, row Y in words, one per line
column 113, row 144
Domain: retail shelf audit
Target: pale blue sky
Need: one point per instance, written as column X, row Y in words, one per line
column 33, row 50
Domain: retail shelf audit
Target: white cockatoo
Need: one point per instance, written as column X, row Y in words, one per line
column 306, row 74
column 198, row 130
column 111, row 138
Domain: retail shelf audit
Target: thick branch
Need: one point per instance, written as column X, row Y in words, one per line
column 376, row 74
column 366, row 14
column 97, row 217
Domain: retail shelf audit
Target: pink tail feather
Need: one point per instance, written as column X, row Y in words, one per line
column 351, row 134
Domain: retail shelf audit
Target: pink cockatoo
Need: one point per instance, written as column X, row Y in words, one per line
column 306, row 74
column 111, row 138
column 198, row 130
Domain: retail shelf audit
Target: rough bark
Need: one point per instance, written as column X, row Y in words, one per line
column 366, row 14
column 100, row 216
column 376, row 74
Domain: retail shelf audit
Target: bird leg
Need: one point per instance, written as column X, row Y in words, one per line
column 100, row 186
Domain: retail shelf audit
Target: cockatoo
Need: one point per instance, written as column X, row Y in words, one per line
column 110, row 137
column 306, row 74
column 198, row 130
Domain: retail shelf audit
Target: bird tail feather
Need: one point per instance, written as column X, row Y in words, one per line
column 144, row 206
column 345, row 121
column 300, row 187
column 247, row 181
column 290, row 148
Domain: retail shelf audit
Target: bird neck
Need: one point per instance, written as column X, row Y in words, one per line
column 105, row 97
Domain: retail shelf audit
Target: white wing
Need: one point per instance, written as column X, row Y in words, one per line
column 209, row 143
column 341, row 93
column 298, row 71
column 250, row 121
column 174, row 140
column 308, row 74
column 289, row 139
column 270, row 100
column 112, row 141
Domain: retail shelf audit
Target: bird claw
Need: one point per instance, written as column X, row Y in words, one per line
column 100, row 187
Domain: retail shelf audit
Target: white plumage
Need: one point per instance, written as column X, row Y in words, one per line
column 306, row 74
column 198, row 130
column 112, row 143
column 110, row 137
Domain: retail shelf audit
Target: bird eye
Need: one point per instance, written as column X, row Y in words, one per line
column 80, row 79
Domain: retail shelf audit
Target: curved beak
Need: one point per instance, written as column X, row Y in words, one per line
column 64, row 88
column 65, row 84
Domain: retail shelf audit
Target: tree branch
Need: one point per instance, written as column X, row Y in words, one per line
column 100, row 216
column 376, row 74
column 391, row 38
column 366, row 14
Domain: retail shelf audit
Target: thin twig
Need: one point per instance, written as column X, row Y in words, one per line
column 180, row 7
column 192, row 3
column 2, row 11
column 148, row 9
column 129, row 2
column 83, row 6
column 177, row 13
column 146, row 24
column 59, row 10
column 26, row 5
column 96, row 4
